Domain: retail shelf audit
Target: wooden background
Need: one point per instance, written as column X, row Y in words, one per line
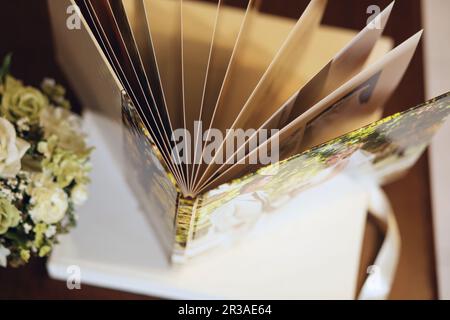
column 25, row 30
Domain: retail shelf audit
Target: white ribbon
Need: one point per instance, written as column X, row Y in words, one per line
column 381, row 275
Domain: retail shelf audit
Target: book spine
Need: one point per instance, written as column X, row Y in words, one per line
column 184, row 222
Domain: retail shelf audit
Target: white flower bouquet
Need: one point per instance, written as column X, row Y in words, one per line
column 44, row 166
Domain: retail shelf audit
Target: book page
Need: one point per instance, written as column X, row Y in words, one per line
column 164, row 21
column 198, row 36
column 157, row 112
column 252, row 63
column 229, row 27
column 126, row 36
column 361, row 100
column 232, row 104
column 198, row 30
column 231, row 34
column 126, row 18
column 346, row 64
column 110, row 35
column 343, row 66
column 284, row 76
column 136, row 18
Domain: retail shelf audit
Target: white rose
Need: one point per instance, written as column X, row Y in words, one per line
column 79, row 194
column 66, row 126
column 12, row 149
column 50, row 204
column 4, row 253
column 51, row 231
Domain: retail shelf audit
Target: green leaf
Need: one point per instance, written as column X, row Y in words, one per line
column 16, row 237
column 4, row 70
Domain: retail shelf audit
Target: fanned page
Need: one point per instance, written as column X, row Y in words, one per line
column 223, row 90
column 110, row 35
column 356, row 103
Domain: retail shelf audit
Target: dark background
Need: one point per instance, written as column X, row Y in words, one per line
column 25, row 31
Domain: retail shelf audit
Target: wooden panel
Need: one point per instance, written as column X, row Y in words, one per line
column 437, row 69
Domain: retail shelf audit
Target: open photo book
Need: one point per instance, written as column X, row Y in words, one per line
column 229, row 113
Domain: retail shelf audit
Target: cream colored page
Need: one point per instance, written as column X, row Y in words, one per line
column 136, row 18
column 347, row 63
column 231, row 25
column 284, row 76
column 112, row 54
column 164, row 20
column 80, row 42
column 281, row 78
column 260, row 43
column 198, row 32
column 228, row 26
column 126, row 24
column 368, row 92
column 128, row 41
column 360, row 99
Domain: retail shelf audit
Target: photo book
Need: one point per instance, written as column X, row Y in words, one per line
column 230, row 113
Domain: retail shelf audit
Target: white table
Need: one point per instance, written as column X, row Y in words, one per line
column 314, row 254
